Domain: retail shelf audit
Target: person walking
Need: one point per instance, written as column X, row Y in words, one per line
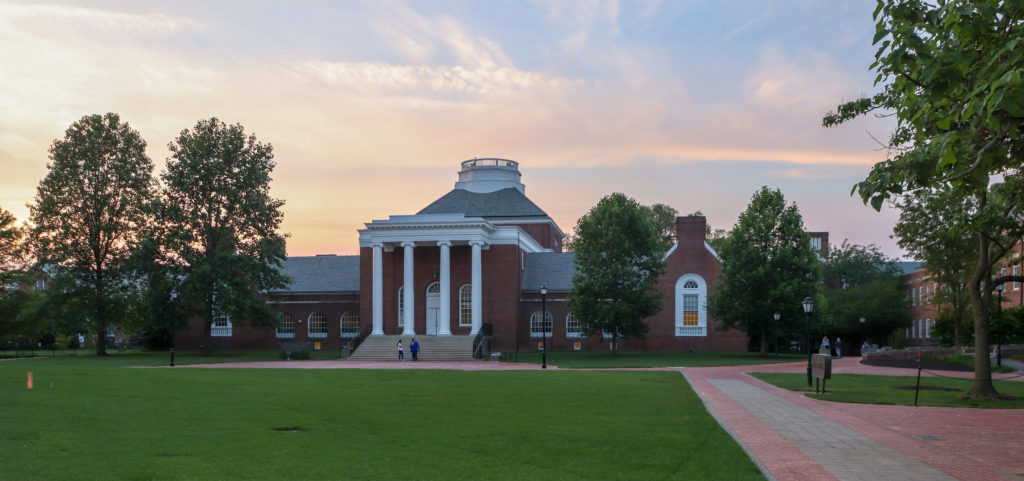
column 401, row 354
column 839, row 348
column 415, row 348
column 825, row 344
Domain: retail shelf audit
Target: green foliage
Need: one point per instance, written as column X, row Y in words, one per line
column 768, row 266
column 664, row 217
column 618, row 256
column 932, row 228
column 221, row 224
column 87, row 216
column 860, row 282
column 951, row 74
column 10, row 250
column 1008, row 326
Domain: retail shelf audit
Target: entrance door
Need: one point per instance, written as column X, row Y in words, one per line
column 433, row 307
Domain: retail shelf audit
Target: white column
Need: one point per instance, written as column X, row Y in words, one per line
column 477, row 289
column 378, row 289
column 444, row 315
column 410, row 292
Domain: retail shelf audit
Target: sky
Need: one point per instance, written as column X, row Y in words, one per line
column 371, row 105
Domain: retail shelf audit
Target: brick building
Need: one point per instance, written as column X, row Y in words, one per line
column 475, row 260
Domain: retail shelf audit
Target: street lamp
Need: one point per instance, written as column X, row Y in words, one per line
column 544, row 325
column 174, row 323
column 863, row 333
column 999, row 344
column 775, row 333
column 808, row 307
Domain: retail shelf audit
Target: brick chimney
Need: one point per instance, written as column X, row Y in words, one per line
column 691, row 229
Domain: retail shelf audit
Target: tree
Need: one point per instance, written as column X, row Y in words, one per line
column 768, row 266
column 10, row 248
column 665, row 222
column 931, row 228
column 224, row 245
column 860, row 282
column 87, row 215
column 618, row 256
column 951, row 75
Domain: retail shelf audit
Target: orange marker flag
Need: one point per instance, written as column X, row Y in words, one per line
column 30, row 380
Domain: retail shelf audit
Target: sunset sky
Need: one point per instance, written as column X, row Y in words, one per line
column 370, row 106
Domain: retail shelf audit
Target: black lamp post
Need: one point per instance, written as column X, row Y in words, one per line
column 775, row 333
column 999, row 344
column 174, row 323
column 544, row 325
column 808, row 307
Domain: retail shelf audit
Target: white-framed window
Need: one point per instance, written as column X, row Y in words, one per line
column 401, row 306
column 40, row 284
column 317, row 325
column 221, row 326
column 466, row 305
column 537, row 328
column 350, row 324
column 691, row 306
column 573, row 328
column 286, row 326
column 913, row 297
column 927, row 328
column 1016, row 272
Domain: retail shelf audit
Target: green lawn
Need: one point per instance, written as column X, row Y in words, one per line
column 603, row 359
column 898, row 390
column 90, row 418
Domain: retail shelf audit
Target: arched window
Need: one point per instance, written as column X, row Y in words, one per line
column 317, row 325
column 434, row 288
column 349, row 324
column 221, row 326
column 691, row 306
column 573, row 328
column 401, row 306
column 466, row 305
column 286, row 326
column 537, row 329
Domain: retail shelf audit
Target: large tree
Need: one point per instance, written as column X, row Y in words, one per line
column 931, row 228
column 10, row 250
column 87, row 215
column 224, row 244
column 768, row 266
column 951, row 74
column 618, row 253
column 860, row 282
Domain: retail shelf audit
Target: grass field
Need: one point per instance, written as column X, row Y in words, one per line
column 602, row 359
column 90, row 418
column 898, row 390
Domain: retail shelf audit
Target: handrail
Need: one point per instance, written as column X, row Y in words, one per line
column 363, row 333
column 486, row 331
column 490, row 161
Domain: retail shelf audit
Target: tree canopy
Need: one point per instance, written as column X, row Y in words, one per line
column 860, row 282
column 951, row 74
column 618, row 256
column 768, row 266
column 224, row 244
column 87, row 216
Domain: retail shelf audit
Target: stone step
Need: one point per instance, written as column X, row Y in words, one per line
column 432, row 348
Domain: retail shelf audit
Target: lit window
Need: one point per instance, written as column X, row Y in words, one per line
column 573, row 328
column 466, row 305
column 536, row 328
column 349, row 324
column 286, row 326
column 691, row 306
column 401, row 306
column 317, row 325
column 221, row 326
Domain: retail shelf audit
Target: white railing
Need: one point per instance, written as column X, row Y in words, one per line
column 220, row 331
column 691, row 330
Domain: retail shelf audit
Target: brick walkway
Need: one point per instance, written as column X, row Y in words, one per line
column 797, row 438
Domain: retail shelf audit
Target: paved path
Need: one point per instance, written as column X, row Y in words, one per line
column 797, row 438
column 794, row 438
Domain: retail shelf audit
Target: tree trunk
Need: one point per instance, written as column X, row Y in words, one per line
column 764, row 340
column 981, row 293
column 207, row 348
column 101, row 341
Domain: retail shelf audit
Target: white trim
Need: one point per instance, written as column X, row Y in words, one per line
column 706, row 246
column 221, row 331
column 701, row 291
column 309, row 326
column 285, row 335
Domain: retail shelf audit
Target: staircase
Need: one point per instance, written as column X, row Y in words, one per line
column 432, row 348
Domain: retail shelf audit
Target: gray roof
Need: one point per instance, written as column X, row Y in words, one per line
column 553, row 269
column 909, row 267
column 322, row 274
column 500, row 203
